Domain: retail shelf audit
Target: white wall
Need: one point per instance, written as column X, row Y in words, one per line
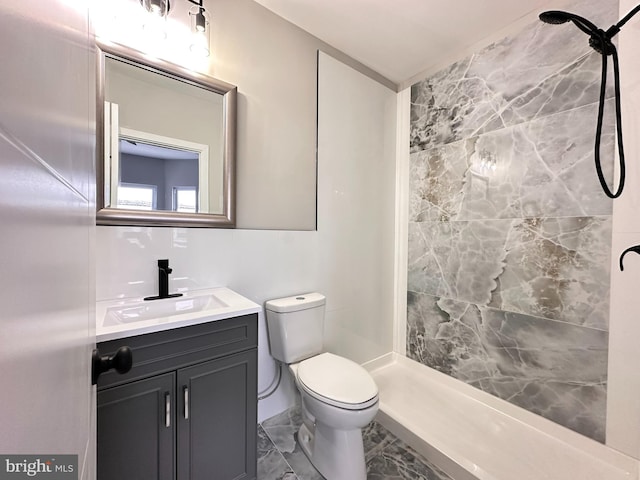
column 623, row 391
column 356, row 209
column 349, row 258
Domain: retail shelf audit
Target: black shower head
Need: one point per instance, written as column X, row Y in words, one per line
column 558, row 17
column 554, row 17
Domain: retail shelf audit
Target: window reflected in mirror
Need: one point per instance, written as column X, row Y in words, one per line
column 137, row 196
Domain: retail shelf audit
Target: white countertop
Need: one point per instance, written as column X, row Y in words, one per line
column 226, row 304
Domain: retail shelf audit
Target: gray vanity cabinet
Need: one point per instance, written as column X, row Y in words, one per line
column 187, row 410
column 218, row 402
column 133, row 441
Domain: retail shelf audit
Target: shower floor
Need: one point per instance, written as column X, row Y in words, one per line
column 388, row 458
column 473, row 435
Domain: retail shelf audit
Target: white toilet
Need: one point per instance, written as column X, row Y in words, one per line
column 339, row 397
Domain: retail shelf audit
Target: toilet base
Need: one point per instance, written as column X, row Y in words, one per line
column 336, row 454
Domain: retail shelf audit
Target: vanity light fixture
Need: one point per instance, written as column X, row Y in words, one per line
column 199, row 20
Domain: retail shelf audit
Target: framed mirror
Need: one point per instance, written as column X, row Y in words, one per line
column 165, row 143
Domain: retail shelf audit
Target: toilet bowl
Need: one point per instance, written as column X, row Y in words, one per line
column 338, row 396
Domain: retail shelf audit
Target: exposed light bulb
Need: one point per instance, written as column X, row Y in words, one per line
column 155, row 28
column 155, row 22
column 159, row 8
column 200, row 31
column 200, row 45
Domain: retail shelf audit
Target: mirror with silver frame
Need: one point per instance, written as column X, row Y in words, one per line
column 166, row 143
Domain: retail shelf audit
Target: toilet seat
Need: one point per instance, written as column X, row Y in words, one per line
column 337, row 381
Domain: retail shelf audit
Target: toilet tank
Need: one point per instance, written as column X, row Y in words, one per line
column 295, row 326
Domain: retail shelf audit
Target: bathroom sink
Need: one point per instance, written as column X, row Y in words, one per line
column 147, row 310
column 135, row 316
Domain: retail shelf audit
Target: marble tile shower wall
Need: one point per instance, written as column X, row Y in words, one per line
column 510, row 233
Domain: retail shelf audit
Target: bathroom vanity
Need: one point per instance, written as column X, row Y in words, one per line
column 187, row 409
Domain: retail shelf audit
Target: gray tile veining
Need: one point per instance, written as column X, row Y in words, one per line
column 555, row 268
column 552, row 368
column 540, row 168
column 509, row 230
column 541, row 70
column 282, row 429
column 387, row 457
column 399, row 461
column 375, row 439
column 271, row 463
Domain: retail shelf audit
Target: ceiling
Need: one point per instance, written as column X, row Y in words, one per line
column 402, row 38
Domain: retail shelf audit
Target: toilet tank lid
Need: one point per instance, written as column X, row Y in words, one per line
column 295, row 303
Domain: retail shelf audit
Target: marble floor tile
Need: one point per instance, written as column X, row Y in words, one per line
column 399, row 461
column 283, row 428
column 388, row 458
column 375, row 439
column 301, row 464
column 264, row 442
column 271, row 463
column 273, row 466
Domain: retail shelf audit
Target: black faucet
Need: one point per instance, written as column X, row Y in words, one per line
column 163, row 282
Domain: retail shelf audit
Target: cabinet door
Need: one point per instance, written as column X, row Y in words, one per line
column 217, row 419
column 136, row 430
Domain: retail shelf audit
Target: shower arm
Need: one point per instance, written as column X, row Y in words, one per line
column 627, row 17
column 611, row 32
column 634, row 249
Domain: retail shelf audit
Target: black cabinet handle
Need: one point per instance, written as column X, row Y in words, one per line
column 121, row 361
